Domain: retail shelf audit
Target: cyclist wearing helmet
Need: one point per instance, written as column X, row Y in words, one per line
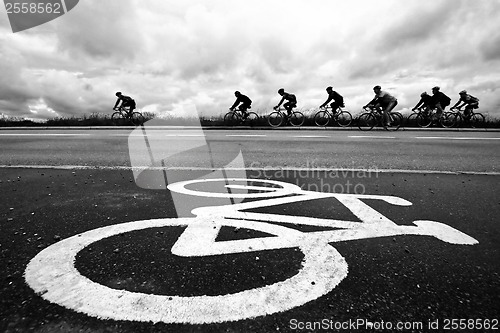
column 469, row 101
column 290, row 98
column 338, row 100
column 385, row 100
column 245, row 103
column 425, row 101
column 440, row 101
column 126, row 101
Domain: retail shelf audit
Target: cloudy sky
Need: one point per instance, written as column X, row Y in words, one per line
column 166, row 54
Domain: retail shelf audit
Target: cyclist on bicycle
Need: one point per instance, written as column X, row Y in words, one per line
column 126, row 101
column 425, row 101
column 338, row 100
column 440, row 101
column 469, row 101
column 291, row 101
column 245, row 103
column 384, row 100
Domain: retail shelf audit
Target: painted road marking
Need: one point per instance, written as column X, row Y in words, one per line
column 311, row 136
column 245, row 135
column 52, row 273
column 454, row 138
column 44, row 134
column 297, row 169
column 371, row 136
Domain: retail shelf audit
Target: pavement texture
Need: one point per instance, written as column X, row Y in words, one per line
column 410, row 278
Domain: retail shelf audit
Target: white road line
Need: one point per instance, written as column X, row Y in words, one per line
column 344, row 171
column 454, row 138
column 44, row 134
column 372, row 136
column 311, row 136
column 246, row 135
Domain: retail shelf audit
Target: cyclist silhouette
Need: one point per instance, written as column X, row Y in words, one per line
column 246, row 103
column 385, row 100
column 425, row 101
column 290, row 98
column 440, row 101
column 126, row 101
column 469, row 101
column 338, row 100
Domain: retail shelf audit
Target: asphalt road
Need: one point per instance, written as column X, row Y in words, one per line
column 402, row 150
column 393, row 229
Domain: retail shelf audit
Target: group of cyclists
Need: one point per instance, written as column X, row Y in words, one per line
column 382, row 100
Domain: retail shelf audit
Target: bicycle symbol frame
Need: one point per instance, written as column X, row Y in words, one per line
column 52, row 273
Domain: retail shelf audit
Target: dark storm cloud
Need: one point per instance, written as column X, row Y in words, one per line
column 101, row 31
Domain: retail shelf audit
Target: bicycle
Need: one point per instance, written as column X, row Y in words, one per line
column 53, row 275
column 474, row 119
column 374, row 117
column 237, row 116
column 122, row 116
column 427, row 117
column 280, row 116
column 324, row 115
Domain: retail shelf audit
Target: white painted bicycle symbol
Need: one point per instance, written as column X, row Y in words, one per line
column 52, row 273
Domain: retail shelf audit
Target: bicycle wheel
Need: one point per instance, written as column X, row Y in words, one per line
column 477, row 120
column 424, row 119
column 448, row 120
column 297, row 118
column 411, row 121
column 322, row 118
column 396, row 121
column 231, row 119
column 458, row 120
column 343, row 118
column 252, row 118
column 366, row 121
column 117, row 119
column 275, row 119
column 137, row 118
